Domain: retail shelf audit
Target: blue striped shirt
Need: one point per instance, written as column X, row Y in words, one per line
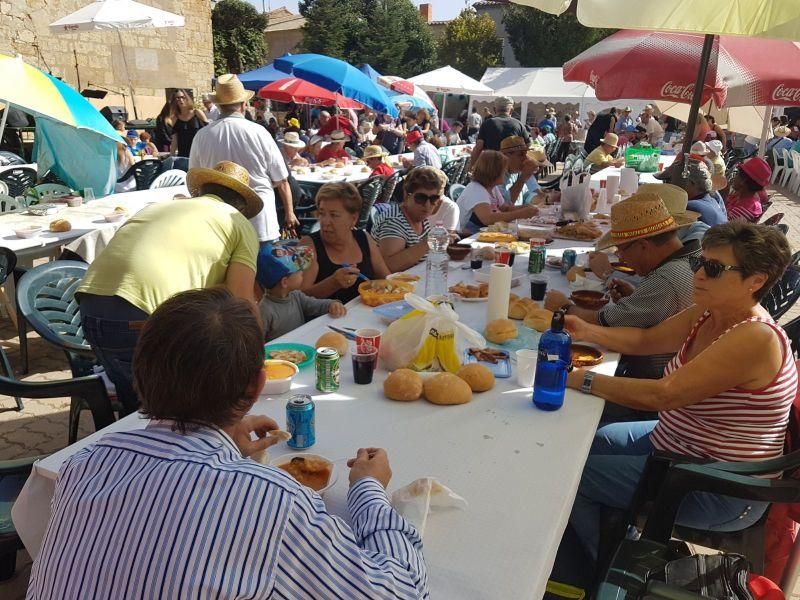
column 158, row 514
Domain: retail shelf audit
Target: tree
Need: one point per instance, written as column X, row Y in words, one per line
column 390, row 35
column 238, row 32
column 470, row 43
column 540, row 39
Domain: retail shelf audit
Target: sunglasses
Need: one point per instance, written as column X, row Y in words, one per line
column 713, row 268
column 421, row 198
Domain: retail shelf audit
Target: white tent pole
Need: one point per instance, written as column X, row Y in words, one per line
column 444, row 104
column 762, row 144
column 5, row 118
column 128, row 73
column 523, row 112
column 469, row 110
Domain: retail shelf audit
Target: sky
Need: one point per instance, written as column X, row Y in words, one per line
column 443, row 10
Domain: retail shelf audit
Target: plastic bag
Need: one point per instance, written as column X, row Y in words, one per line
column 415, row 500
column 643, row 158
column 576, row 197
column 430, row 337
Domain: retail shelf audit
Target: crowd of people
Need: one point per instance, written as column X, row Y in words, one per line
column 179, row 321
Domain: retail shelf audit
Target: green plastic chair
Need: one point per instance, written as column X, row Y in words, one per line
column 13, row 473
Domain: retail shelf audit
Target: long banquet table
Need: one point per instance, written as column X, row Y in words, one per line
column 517, row 467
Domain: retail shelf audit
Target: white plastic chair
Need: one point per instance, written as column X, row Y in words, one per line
column 3, row 188
column 455, row 191
column 779, row 164
column 51, row 190
column 787, row 167
column 9, row 204
column 171, row 178
column 794, row 180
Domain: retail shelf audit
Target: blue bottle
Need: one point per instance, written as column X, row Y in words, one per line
column 555, row 356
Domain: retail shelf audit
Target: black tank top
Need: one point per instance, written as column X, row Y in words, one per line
column 328, row 268
column 186, row 130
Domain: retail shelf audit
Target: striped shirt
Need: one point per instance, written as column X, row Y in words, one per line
column 746, row 208
column 737, row 424
column 392, row 223
column 159, row 514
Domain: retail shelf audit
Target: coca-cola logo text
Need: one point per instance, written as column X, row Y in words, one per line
column 786, row 93
column 679, row 92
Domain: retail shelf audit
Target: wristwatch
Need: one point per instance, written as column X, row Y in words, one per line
column 588, row 378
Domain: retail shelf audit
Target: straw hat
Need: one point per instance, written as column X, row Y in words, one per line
column 230, row 90
column 374, row 152
column 675, row 199
column 230, row 175
column 714, row 146
column 640, row 216
column 781, row 131
column 627, row 109
column 337, row 136
column 292, row 138
column 610, row 139
column 513, row 142
column 698, row 148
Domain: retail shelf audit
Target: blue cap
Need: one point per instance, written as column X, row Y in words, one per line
column 276, row 261
column 630, row 128
column 132, row 133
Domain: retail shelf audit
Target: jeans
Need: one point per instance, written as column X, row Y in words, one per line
column 611, row 475
column 111, row 326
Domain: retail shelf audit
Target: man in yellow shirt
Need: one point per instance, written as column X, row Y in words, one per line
column 602, row 156
column 165, row 249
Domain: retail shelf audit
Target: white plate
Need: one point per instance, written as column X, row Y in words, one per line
column 553, row 264
column 474, row 299
column 284, row 458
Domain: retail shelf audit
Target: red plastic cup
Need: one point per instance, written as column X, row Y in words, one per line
column 660, row 167
column 368, row 338
column 502, row 254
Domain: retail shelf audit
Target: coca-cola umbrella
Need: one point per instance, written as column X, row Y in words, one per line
column 655, row 65
column 299, row 91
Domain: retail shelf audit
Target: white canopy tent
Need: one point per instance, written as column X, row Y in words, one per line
column 448, row 80
column 546, row 85
column 116, row 15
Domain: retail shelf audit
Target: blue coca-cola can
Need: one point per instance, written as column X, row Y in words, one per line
column 300, row 422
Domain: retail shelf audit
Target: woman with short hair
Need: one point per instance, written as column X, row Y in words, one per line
column 341, row 251
column 481, row 204
column 725, row 395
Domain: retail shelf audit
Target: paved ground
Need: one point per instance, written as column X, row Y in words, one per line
column 41, row 427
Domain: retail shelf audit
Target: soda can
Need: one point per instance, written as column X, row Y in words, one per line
column 568, row 260
column 327, row 367
column 537, row 256
column 300, row 421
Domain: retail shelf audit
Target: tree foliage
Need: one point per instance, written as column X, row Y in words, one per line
column 238, row 33
column 470, row 44
column 540, row 39
column 390, row 35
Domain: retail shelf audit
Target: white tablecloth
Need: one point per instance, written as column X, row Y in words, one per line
column 602, row 175
column 86, row 218
column 518, row 467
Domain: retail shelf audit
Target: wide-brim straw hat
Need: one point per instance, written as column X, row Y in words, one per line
column 641, row 216
column 781, row 131
column 610, row 139
column 292, row 138
column 675, row 199
column 337, row 135
column 230, row 90
column 374, row 152
column 230, row 175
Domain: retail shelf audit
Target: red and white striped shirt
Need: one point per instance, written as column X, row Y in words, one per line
column 736, row 425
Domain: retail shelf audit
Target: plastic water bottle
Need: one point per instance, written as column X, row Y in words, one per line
column 437, row 262
column 554, row 359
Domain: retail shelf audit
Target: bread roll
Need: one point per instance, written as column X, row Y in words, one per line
column 478, row 377
column 333, row 339
column 446, row 388
column 539, row 319
column 403, row 385
column 518, row 308
column 500, row 331
column 60, row 225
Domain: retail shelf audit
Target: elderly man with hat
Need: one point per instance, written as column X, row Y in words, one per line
column 699, row 184
column 291, row 146
column 779, row 142
column 625, row 121
column 234, row 138
column 166, row 248
column 521, row 172
column 549, row 119
column 335, row 151
column 715, row 149
column 603, row 155
column 375, row 157
column 645, row 234
column 495, row 130
column 425, row 153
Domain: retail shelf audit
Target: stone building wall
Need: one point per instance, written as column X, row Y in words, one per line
column 157, row 59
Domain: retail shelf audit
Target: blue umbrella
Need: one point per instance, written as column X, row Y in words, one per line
column 257, row 78
column 367, row 70
column 412, row 101
column 337, row 76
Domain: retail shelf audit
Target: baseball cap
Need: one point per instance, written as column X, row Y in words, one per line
column 502, row 102
column 276, row 261
column 132, row 133
column 414, row 136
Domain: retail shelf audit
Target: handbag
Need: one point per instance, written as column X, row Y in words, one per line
column 722, row 576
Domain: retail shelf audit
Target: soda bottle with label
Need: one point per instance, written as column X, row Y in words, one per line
column 555, row 357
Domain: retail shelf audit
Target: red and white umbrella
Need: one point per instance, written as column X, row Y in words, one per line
column 300, row 91
column 655, row 65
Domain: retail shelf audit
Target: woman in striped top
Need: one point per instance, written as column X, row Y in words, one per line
column 725, row 396
column 747, row 192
